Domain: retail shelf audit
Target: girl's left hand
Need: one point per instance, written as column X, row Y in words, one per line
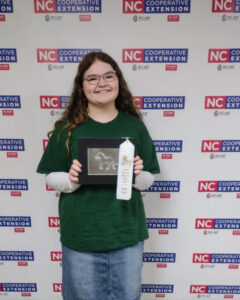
column 137, row 165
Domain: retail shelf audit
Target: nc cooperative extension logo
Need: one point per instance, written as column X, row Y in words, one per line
column 16, row 255
column 220, row 146
column 217, row 223
column 162, row 223
column 13, row 184
column 67, row 6
column 62, row 55
column 229, row 186
column 224, row 55
column 8, row 103
column 158, row 288
column 215, row 289
column 225, row 6
column 154, row 55
column 216, row 258
column 54, row 102
column 6, row 6
column 155, row 257
column 18, row 287
column 15, row 221
column 12, row 145
column 156, row 6
column 169, row 146
column 222, row 102
column 160, row 102
column 164, row 186
column 7, row 55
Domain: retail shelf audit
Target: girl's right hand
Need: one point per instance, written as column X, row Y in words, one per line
column 76, row 168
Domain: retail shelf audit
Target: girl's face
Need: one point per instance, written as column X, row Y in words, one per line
column 100, row 84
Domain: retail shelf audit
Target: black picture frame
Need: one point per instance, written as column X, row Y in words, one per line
column 86, row 148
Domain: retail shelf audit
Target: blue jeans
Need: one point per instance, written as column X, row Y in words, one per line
column 111, row 275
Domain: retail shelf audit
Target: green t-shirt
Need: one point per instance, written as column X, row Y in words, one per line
column 91, row 218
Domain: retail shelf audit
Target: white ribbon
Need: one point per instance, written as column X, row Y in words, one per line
column 125, row 170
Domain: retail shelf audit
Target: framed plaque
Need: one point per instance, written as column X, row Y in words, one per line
column 99, row 159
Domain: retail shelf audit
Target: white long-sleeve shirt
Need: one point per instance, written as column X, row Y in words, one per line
column 61, row 182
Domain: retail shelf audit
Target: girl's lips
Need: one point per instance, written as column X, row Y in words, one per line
column 102, row 91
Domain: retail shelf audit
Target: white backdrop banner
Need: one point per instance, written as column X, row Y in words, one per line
column 181, row 59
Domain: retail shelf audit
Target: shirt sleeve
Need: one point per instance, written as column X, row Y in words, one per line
column 60, row 182
column 55, row 157
column 143, row 180
column 148, row 153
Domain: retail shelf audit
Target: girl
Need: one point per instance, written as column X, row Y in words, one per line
column 102, row 237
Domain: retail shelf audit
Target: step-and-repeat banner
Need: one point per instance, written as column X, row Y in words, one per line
column 181, row 59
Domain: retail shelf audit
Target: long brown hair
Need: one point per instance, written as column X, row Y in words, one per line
column 76, row 112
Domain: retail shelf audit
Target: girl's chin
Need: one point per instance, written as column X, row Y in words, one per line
column 103, row 102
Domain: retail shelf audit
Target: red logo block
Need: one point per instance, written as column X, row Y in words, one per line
column 169, row 113
column 211, row 146
column 171, row 68
column 57, row 287
column 207, row 186
column 7, row 112
column 85, row 18
column 16, row 193
column 45, row 142
column 132, row 55
column 198, row 289
column 26, row 294
column 53, row 222
column 22, row 263
column 215, row 102
column 218, row 55
column 19, row 229
column 201, row 258
column 47, row 55
column 5, row 67
column 45, row 6
column 133, row 6
column 233, row 267
column 220, row 6
column 173, row 18
column 204, row 224
column 48, row 188
column 138, row 102
column 49, row 102
column 56, row 255
column 12, row 154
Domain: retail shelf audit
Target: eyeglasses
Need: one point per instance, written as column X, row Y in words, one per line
column 95, row 78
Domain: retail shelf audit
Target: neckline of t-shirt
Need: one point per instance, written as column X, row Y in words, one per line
column 105, row 123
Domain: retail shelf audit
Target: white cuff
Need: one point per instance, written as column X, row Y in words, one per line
column 143, row 180
column 60, row 182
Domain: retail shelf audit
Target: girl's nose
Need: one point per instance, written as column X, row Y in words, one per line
column 101, row 81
